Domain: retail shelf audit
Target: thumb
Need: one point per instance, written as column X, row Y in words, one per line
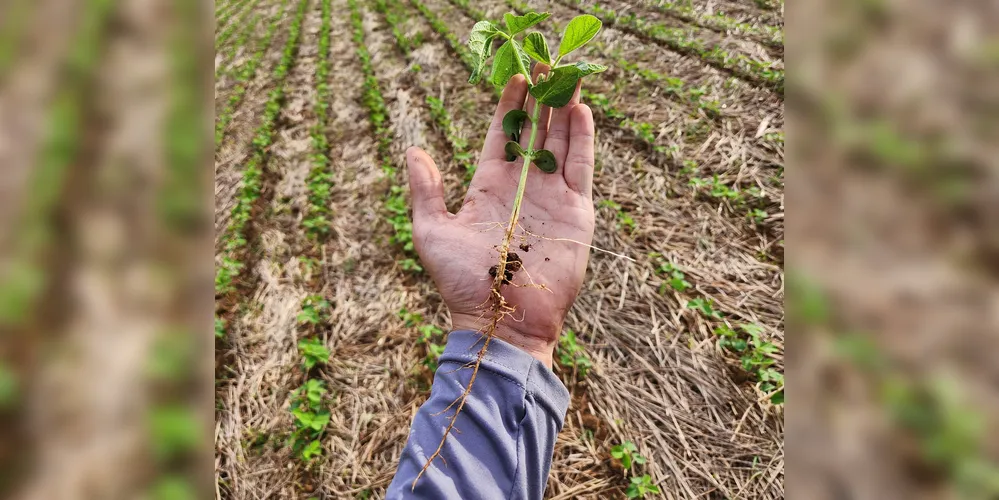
column 425, row 184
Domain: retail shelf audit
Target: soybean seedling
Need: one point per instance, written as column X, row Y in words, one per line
column 628, row 454
column 552, row 88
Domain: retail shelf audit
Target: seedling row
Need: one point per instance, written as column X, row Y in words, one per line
column 395, row 205
column 320, row 181
column 760, row 72
column 234, row 27
column 234, row 241
column 244, row 74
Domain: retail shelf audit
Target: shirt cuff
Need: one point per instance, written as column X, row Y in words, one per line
column 512, row 363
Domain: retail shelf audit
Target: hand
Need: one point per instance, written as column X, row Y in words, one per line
column 458, row 249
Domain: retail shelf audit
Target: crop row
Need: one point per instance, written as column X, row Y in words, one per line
column 372, row 99
column 222, row 8
column 390, row 10
column 244, row 74
column 222, row 22
column 234, row 240
column 461, row 152
column 459, row 145
column 756, row 355
column 453, row 41
column 232, row 28
column 771, row 36
column 23, row 281
column 673, row 86
column 442, row 29
column 310, row 416
column 320, row 179
column 760, row 72
column 230, row 50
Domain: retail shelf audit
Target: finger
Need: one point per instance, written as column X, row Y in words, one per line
column 425, row 185
column 546, row 112
column 579, row 159
column 557, row 139
column 512, row 98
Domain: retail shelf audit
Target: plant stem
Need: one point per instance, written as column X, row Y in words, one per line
column 519, row 198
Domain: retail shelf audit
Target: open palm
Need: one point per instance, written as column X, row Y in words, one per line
column 555, row 226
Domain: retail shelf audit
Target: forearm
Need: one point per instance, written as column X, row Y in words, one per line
column 505, row 435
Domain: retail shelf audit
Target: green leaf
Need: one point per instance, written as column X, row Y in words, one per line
column 513, row 150
column 579, row 31
column 513, row 123
column 778, row 398
column 515, row 24
column 320, row 421
column 537, row 47
column 510, row 59
column 480, row 42
column 557, row 89
column 545, row 160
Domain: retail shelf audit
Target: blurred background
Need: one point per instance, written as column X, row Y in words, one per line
column 892, row 299
column 106, row 249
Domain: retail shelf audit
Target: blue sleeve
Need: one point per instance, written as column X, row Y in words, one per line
column 503, row 441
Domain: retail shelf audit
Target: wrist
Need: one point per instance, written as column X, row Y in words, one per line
column 540, row 345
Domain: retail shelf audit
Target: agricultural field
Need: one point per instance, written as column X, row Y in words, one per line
column 327, row 328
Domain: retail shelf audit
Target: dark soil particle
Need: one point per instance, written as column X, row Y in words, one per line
column 513, row 264
column 525, row 247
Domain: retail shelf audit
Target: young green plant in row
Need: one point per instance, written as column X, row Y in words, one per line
column 749, row 200
column 225, row 10
column 244, row 74
column 643, row 131
column 310, row 418
column 554, row 88
column 624, row 218
column 309, row 414
column 638, row 486
column 461, row 152
column 756, row 356
column 572, row 354
column 430, row 335
column 673, row 275
column 320, row 180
